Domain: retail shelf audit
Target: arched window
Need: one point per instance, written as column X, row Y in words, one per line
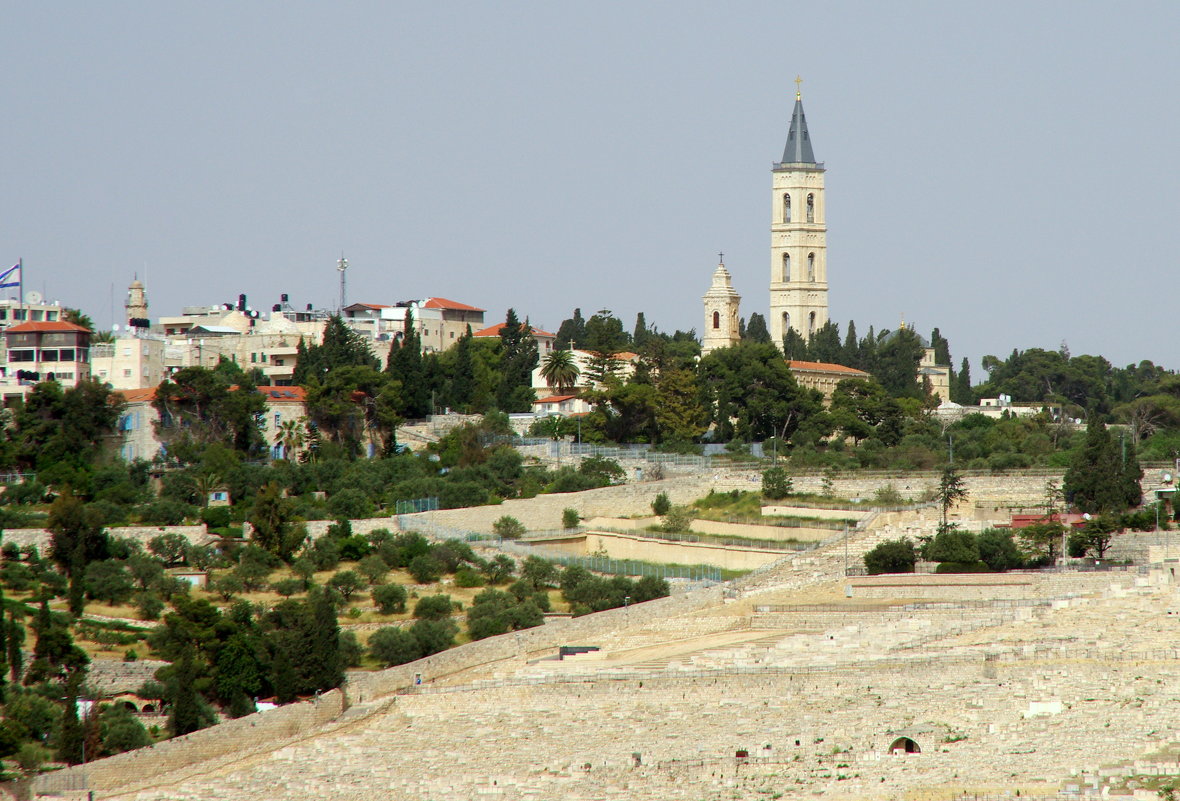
column 810, row 266
column 786, row 208
column 811, row 324
column 810, row 208
column 786, row 322
column 786, row 267
column 716, row 319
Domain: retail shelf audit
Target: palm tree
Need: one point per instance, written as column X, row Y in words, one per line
column 560, row 371
column 290, row 436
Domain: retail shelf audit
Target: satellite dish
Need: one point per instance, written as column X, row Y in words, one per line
column 115, row 328
column 32, row 296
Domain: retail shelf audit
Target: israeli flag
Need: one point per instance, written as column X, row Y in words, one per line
column 10, row 277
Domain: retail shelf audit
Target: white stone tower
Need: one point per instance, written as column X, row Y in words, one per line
column 721, row 311
column 137, row 304
column 798, row 237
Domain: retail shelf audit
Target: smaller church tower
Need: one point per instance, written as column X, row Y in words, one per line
column 721, row 312
column 137, row 305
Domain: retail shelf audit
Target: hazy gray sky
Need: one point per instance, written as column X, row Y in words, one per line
column 1003, row 170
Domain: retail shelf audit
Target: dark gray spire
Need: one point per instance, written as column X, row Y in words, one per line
column 798, row 150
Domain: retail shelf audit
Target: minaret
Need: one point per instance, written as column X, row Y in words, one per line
column 137, row 304
column 798, row 236
column 721, row 311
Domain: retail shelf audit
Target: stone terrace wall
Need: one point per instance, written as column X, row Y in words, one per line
column 543, row 513
column 233, row 739
column 198, row 535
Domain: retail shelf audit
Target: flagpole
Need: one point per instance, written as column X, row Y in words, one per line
column 20, row 270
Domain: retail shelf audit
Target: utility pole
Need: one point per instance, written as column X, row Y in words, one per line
column 342, row 265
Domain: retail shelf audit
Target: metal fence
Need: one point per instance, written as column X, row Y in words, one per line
column 416, row 505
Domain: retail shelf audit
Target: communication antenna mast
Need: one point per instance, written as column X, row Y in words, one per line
column 342, row 265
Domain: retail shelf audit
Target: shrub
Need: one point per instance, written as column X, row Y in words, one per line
column 434, row 607
column 351, row 503
column 373, row 568
column 508, row 528
column 394, row 646
column 354, row 548
column 425, row 569
column 149, row 606
column 467, row 577
column 888, row 496
column 288, row 587
column 891, row 556
column 350, row 649
column 570, row 518
column 678, row 520
column 434, row 635
column 776, row 484
column 390, row 598
column 164, row 513
column 216, row 516
column 347, row 583
column 661, row 504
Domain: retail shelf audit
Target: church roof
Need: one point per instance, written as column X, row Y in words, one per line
column 798, row 149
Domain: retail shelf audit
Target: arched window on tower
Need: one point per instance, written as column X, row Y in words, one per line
column 786, row 267
column 716, row 319
column 810, row 266
column 811, row 324
column 786, row 208
column 786, row 322
column 810, row 208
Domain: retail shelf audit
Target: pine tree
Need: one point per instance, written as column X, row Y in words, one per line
column 185, row 715
column 851, row 355
column 405, row 364
column 756, row 330
column 1098, row 480
column 961, row 391
column 794, row 346
column 641, row 335
column 518, row 357
column 69, row 745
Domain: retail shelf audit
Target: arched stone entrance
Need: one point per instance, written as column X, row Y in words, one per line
column 904, row 745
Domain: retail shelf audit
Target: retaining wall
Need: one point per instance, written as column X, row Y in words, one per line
column 233, row 739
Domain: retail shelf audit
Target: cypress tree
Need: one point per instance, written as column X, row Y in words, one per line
column 15, row 640
column 185, row 716
column 326, row 670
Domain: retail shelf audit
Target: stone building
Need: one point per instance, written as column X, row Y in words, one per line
column 798, row 237
column 721, row 312
column 823, row 376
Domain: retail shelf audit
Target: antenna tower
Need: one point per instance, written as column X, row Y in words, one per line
column 342, row 266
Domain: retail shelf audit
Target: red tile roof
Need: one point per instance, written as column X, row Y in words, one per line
column 494, row 331
column 56, row 327
column 284, row 394
column 825, row 367
column 273, row 394
column 555, row 399
column 138, row 395
column 443, row 303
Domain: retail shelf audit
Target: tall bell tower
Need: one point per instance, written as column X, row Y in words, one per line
column 798, row 236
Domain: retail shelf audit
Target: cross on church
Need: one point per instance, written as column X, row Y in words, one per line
column 798, row 87
column 721, row 257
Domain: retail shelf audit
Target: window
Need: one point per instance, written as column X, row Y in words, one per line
column 786, row 322
column 263, row 358
column 253, row 358
column 278, row 419
column 811, row 324
column 810, row 208
column 716, row 319
column 48, row 355
column 127, row 373
column 127, row 352
column 810, row 266
column 786, row 266
column 66, row 355
column 21, row 355
column 786, row 208
column 38, row 314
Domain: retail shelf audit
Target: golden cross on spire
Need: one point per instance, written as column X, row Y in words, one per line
column 798, row 86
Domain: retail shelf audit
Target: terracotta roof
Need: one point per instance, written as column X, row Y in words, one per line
column 443, row 303
column 58, row 327
column 494, row 331
column 554, row 399
column 825, row 367
column 273, row 394
column 138, row 395
column 284, row 394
